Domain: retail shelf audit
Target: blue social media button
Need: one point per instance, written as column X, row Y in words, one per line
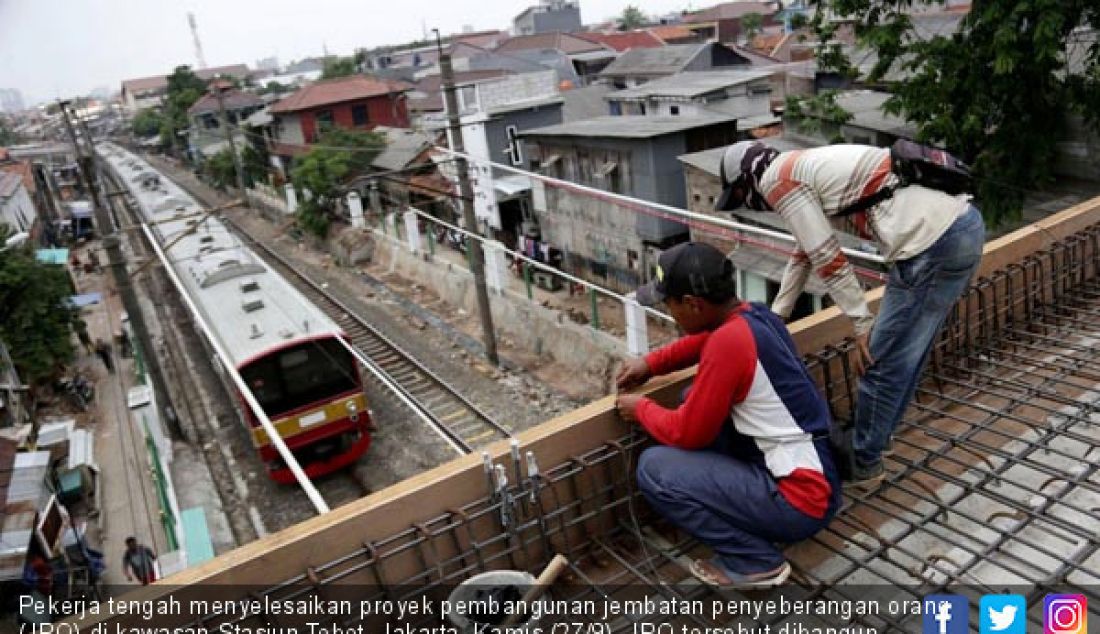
column 946, row 614
column 1002, row 614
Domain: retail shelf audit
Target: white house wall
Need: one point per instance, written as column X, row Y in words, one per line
column 18, row 210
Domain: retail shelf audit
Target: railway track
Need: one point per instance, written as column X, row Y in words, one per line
column 454, row 416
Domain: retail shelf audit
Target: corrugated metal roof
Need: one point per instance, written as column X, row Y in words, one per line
column 9, row 183
column 689, row 85
column 402, row 146
column 629, row 127
column 654, row 61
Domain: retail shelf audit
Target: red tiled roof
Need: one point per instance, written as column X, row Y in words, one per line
column 339, row 90
column 625, row 41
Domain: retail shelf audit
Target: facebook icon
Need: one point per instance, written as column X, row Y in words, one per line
column 946, row 614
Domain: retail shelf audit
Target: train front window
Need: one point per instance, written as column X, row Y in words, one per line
column 300, row 376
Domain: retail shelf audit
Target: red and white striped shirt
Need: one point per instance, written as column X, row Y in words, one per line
column 806, row 187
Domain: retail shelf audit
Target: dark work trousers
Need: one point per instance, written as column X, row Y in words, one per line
column 727, row 499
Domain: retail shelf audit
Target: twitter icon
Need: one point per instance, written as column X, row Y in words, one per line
column 1002, row 614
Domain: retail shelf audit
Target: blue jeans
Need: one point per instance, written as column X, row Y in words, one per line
column 731, row 504
column 919, row 295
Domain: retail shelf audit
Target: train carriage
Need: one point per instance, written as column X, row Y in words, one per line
column 289, row 353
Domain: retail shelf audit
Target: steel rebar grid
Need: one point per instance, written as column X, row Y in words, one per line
column 957, row 508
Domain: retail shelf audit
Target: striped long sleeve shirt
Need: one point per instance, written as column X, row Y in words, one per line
column 807, row 187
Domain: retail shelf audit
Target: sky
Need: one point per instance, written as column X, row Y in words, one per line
column 66, row 48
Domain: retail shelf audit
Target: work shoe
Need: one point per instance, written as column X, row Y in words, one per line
column 713, row 573
column 865, row 477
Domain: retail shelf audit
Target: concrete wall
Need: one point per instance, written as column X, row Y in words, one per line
column 533, row 327
column 1079, row 152
column 289, row 129
column 17, row 211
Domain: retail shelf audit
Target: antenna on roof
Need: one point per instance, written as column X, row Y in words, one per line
column 198, row 43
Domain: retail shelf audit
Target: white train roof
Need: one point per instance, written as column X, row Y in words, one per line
column 251, row 308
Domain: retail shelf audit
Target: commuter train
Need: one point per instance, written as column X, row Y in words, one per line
column 289, row 353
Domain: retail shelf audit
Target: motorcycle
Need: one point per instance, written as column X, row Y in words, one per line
column 77, row 389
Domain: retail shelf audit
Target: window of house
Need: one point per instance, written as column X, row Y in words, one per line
column 210, row 122
column 324, row 119
column 674, row 110
column 359, row 115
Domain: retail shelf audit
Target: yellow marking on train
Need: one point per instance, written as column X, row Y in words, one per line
column 291, row 426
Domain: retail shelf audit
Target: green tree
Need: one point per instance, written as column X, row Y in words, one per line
column 220, row 169
column 996, row 92
column 338, row 155
column 338, row 67
column 273, row 86
column 35, row 316
column 184, row 89
column 147, row 122
column 751, row 23
column 7, row 135
column 631, row 18
column 799, row 21
column 818, row 115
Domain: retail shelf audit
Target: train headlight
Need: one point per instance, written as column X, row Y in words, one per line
column 352, row 407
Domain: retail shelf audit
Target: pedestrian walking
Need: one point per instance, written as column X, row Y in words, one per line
column 138, row 562
column 103, row 350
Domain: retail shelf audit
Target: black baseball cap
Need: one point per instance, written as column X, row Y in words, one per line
column 690, row 268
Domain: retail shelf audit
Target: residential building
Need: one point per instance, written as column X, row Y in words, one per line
column 494, row 116
column 607, row 242
column 622, row 41
column 206, row 135
column 147, row 92
column 637, row 66
column 740, row 93
column 586, row 102
column 427, row 96
column 413, row 175
column 16, row 207
column 722, row 22
column 675, row 34
column 585, row 56
column 548, row 16
column 355, row 102
column 869, row 124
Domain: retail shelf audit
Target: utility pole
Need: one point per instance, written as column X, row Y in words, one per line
column 115, row 261
column 466, row 194
column 217, row 87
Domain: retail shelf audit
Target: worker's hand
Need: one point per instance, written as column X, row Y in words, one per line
column 632, row 373
column 627, row 404
column 863, row 359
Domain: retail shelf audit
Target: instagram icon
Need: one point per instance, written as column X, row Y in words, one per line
column 1065, row 614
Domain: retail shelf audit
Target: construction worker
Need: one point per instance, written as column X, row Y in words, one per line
column 744, row 462
column 933, row 240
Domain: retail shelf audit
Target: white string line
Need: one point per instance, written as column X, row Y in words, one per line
column 668, row 209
